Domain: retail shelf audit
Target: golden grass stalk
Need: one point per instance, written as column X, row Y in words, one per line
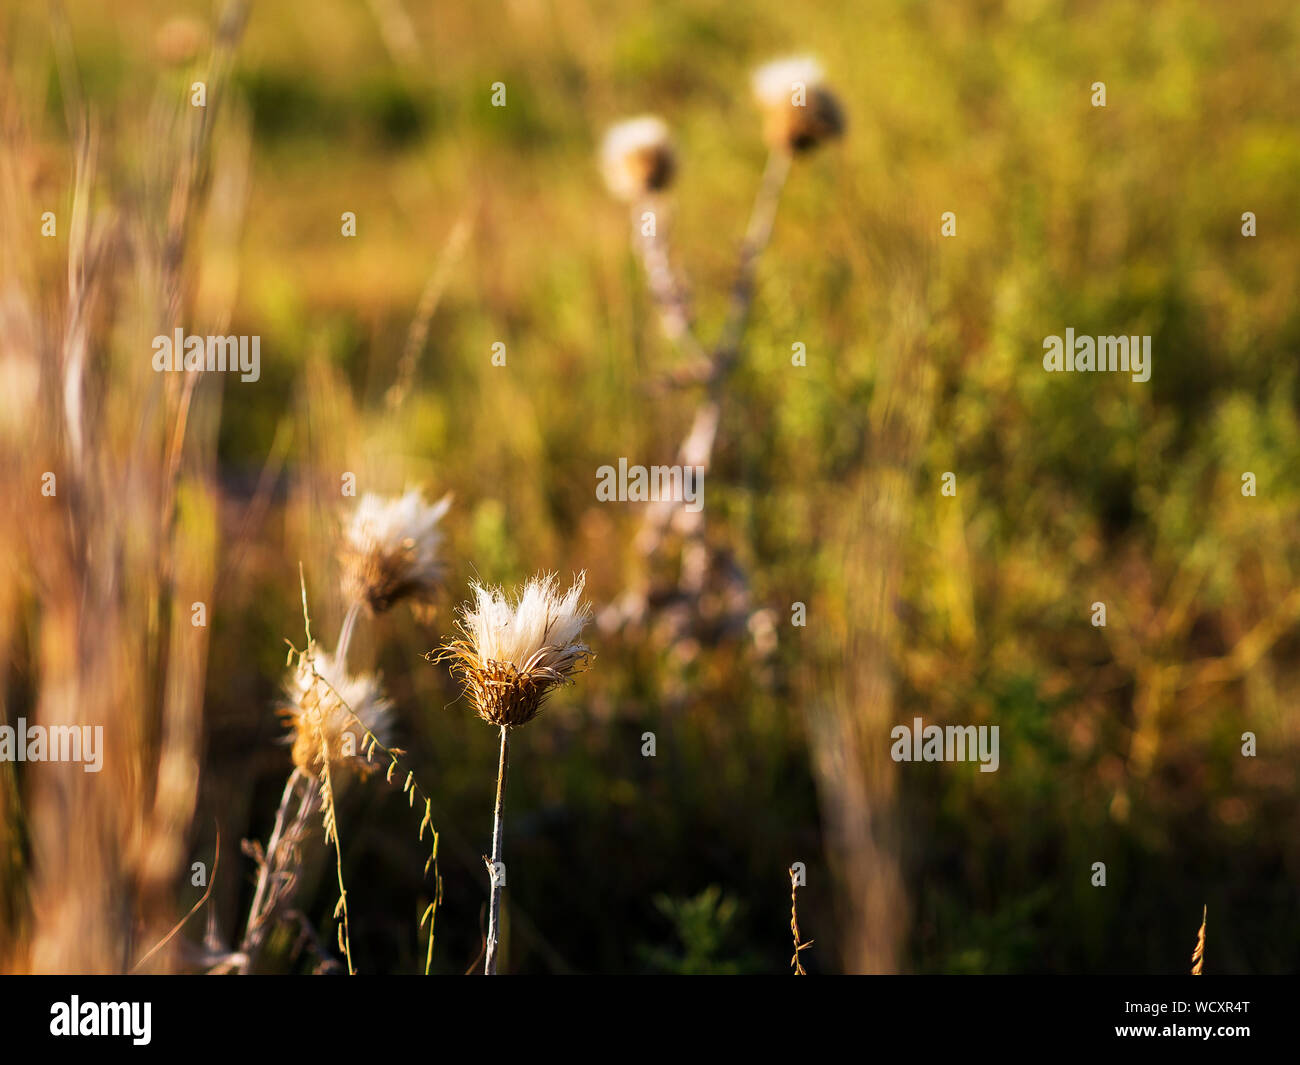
column 1198, row 954
column 795, row 963
column 338, row 720
column 104, row 571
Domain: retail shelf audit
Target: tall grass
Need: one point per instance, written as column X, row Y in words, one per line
column 113, row 537
column 481, row 225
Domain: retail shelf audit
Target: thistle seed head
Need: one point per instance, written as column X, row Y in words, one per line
column 799, row 109
column 330, row 712
column 512, row 655
column 390, row 550
column 637, row 158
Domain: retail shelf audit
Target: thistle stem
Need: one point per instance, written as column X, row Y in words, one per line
column 345, row 635
column 495, row 868
column 697, row 448
column 271, row 866
column 666, row 287
column 757, row 235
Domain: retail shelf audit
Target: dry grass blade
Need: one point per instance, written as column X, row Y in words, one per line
column 795, row 963
column 125, row 540
column 1198, row 955
column 212, row 879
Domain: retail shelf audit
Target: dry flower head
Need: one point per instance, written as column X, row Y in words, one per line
column 513, row 654
column 637, row 158
column 333, row 713
column 390, row 550
column 799, row 109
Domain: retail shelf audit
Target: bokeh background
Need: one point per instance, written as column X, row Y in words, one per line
column 482, row 225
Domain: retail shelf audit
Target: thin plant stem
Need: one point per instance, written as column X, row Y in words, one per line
column 332, row 835
column 495, row 867
column 255, row 933
column 795, row 963
column 410, row 788
column 757, row 235
column 216, row 861
column 345, row 634
column 697, row 448
column 666, row 287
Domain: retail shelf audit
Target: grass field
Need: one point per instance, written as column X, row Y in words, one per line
column 489, row 225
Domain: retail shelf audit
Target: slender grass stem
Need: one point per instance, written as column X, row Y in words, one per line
column 332, row 835
column 495, row 867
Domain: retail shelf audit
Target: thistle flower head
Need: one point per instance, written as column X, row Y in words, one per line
column 799, row 109
column 513, row 654
column 390, row 549
column 637, row 158
column 330, row 712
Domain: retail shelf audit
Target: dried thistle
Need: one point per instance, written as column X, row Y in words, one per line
column 637, row 158
column 1198, row 954
column 390, row 550
column 638, row 162
column 333, row 714
column 512, row 655
column 799, row 110
column 339, row 721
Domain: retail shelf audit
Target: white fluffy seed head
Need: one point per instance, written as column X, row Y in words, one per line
column 541, row 629
column 513, row 654
column 799, row 109
column 637, row 157
column 327, row 703
column 390, row 549
column 774, row 83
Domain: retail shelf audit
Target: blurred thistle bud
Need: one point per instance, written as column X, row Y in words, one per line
column 179, row 40
column 331, row 712
column 512, row 655
column 390, row 550
column 637, row 158
column 799, row 109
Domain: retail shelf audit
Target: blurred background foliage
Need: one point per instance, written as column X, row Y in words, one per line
column 1119, row 745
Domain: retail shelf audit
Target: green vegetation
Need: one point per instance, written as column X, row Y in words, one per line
column 1119, row 744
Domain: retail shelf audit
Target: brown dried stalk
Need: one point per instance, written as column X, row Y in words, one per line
column 1198, row 954
column 699, row 559
column 795, row 963
column 279, row 866
column 115, row 562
